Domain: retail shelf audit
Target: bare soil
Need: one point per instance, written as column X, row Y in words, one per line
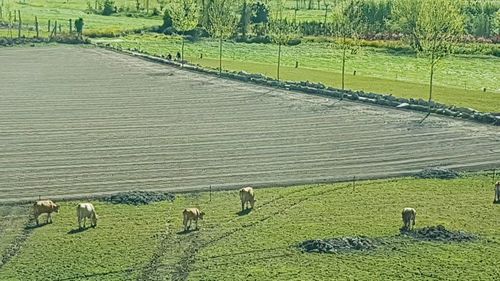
column 81, row 121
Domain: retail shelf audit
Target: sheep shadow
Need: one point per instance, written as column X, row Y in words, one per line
column 244, row 212
column 78, row 230
column 187, row 231
column 32, row 226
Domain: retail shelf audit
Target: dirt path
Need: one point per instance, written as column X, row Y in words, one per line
column 17, row 243
column 117, row 123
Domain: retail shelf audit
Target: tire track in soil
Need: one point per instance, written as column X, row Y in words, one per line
column 187, row 261
column 15, row 247
column 150, row 271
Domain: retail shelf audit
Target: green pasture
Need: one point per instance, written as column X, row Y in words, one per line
column 62, row 11
column 459, row 80
column 146, row 242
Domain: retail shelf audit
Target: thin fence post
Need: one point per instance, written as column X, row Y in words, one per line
column 48, row 27
column 55, row 28
column 36, row 27
column 354, row 183
column 19, row 26
column 70, row 26
column 210, row 193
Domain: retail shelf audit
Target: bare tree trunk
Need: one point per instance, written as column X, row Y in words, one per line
column 279, row 61
column 343, row 67
column 326, row 14
column 220, row 55
column 36, row 27
column 433, row 62
column 10, row 24
column 20, row 25
column 182, row 51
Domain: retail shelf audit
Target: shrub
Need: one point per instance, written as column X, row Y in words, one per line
column 108, row 7
column 138, row 197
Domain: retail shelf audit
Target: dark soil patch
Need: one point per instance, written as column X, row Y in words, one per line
column 439, row 233
column 139, row 197
column 344, row 244
column 437, row 173
column 17, row 244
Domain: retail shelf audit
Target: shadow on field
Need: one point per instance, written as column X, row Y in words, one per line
column 32, row 226
column 78, row 230
column 244, row 212
column 184, row 232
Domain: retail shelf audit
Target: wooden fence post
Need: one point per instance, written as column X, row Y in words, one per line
column 210, row 193
column 70, row 26
column 354, row 183
column 19, row 26
column 36, row 27
column 48, row 27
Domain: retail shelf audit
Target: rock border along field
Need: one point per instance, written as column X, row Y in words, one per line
column 83, row 121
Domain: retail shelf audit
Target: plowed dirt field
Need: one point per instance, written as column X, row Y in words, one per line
column 80, row 121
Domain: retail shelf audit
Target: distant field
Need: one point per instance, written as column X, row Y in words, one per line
column 62, row 11
column 143, row 243
column 82, row 120
column 458, row 80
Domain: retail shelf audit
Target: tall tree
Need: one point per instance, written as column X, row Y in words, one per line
column 245, row 18
column 348, row 20
column 223, row 20
column 439, row 26
column 281, row 30
column 406, row 14
column 185, row 15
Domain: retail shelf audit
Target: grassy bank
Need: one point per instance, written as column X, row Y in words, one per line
column 459, row 80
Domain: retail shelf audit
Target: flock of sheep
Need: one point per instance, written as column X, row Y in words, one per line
column 247, row 196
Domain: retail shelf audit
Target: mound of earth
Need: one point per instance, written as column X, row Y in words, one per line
column 138, row 197
column 335, row 245
column 439, row 233
column 437, row 173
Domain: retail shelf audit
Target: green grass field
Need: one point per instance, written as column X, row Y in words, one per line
column 62, row 11
column 458, row 79
column 145, row 243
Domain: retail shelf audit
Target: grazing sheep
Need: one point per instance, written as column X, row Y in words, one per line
column 44, row 207
column 84, row 211
column 409, row 215
column 247, row 196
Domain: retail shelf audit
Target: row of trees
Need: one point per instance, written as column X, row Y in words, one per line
column 432, row 25
column 375, row 17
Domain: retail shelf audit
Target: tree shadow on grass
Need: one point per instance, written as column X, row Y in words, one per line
column 244, row 212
